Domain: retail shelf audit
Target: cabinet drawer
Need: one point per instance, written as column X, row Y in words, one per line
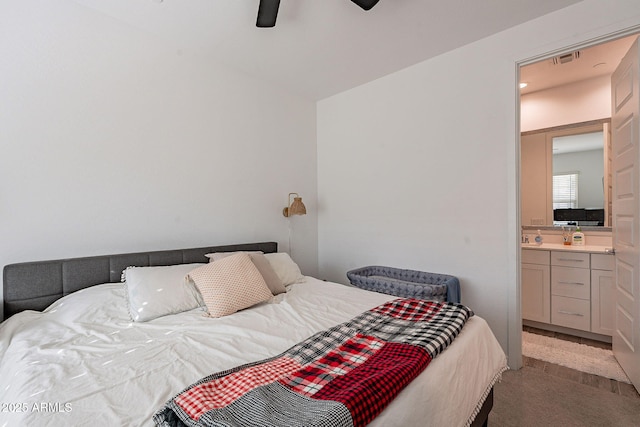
column 571, row 282
column 602, row 262
column 571, row 312
column 533, row 256
column 570, row 259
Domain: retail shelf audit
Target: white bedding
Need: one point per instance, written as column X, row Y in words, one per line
column 84, row 362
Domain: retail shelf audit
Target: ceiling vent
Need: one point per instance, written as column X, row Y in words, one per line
column 566, row 58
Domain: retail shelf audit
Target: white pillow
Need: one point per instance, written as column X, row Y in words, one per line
column 262, row 264
column 230, row 284
column 153, row 292
column 286, row 269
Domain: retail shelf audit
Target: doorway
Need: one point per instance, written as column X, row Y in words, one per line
column 561, row 87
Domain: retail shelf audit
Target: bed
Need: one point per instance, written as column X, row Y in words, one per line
column 84, row 361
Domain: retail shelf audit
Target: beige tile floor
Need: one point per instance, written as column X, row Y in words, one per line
column 545, row 394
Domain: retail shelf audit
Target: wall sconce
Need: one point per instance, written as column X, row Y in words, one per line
column 296, row 207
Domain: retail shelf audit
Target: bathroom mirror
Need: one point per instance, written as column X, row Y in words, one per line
column 578, row 179
column 565, row 176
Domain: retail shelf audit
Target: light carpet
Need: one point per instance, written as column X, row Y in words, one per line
column 582, row 357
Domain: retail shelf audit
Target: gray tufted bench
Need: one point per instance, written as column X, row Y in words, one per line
column 406, row 283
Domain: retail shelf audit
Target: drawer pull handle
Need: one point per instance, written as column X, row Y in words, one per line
column 572, row 283
column 570, row 313
column 570, row 259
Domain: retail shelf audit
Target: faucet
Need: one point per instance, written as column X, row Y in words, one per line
column 525, row 238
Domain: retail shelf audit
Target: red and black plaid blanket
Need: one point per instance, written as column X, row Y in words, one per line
column 344, row 376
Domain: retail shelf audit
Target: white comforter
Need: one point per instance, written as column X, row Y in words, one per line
column 83, row 362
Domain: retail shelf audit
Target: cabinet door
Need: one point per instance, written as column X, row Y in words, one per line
column 602, row 302
column 536, row 292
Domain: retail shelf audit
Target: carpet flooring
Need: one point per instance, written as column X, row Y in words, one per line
column 548, row 394
column 537, row 397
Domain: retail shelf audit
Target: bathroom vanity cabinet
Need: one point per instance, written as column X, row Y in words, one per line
column 568, row 288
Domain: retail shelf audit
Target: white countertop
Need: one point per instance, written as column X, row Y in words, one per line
column 568, row 248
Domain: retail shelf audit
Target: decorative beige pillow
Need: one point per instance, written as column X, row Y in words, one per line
column 262, row 264
column 230, row 284
column 286, row 268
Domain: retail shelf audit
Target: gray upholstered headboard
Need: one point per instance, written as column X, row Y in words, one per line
column 35, row 285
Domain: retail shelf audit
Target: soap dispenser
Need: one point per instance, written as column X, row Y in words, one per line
column 578, row 237
column 538, row 238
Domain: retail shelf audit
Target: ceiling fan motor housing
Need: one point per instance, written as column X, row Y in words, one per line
column 365, row 4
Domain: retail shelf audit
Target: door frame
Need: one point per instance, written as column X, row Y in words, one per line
column 514, row 328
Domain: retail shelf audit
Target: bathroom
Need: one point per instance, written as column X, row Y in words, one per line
column 579, row 165
column 566, row 188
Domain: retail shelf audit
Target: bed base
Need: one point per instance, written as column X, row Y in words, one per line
column 482, row 419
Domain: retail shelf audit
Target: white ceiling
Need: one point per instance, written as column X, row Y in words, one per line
column 322, row 47
column 595, row 61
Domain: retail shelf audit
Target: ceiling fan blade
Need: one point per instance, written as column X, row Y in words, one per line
column 267, row 13
column 365, row 4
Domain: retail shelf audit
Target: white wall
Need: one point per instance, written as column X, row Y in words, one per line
column 111, row 141
column 571, row 103
column 419, row 169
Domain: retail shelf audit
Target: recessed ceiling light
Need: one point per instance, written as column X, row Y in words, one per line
column 523, row 85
